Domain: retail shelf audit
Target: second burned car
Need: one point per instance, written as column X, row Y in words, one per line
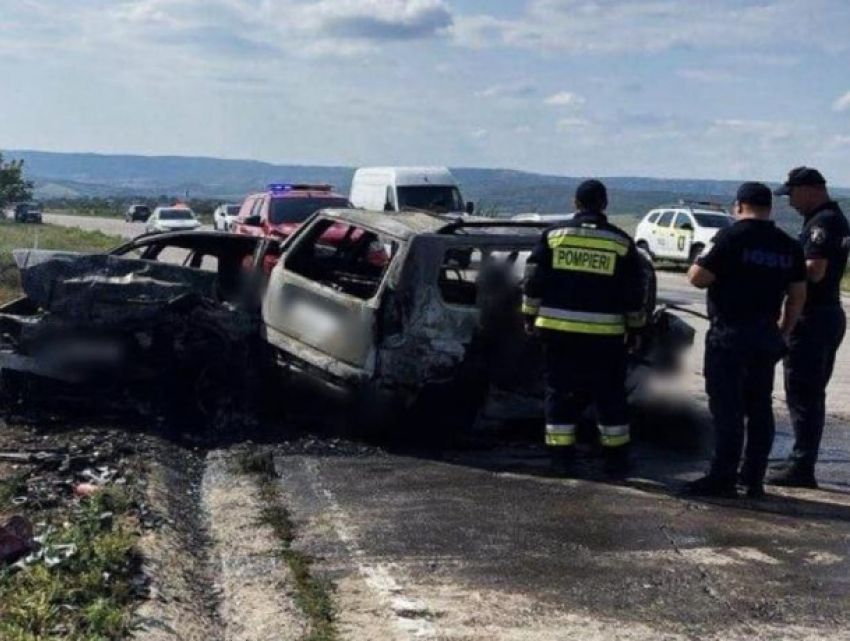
column 433, row 329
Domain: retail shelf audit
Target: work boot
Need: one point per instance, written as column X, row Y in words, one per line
column 617, row 462
column 712, row 487
column 794, row 476
column 755, row 487
column 755, row 491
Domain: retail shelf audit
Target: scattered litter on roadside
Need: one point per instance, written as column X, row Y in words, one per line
column 101, row 477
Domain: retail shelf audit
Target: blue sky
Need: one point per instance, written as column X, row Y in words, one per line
column 666, row 88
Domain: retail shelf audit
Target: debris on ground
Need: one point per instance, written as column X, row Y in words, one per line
column 72, row 510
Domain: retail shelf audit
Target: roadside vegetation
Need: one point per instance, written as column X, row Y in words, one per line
column 88, row 589
column 313, row 595
column 19, row 235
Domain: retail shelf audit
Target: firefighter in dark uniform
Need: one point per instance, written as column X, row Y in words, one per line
column 583, row 294
column 756, row 280
column 808, row 366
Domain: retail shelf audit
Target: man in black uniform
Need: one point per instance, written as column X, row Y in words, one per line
column 808, row 365
column 583, row 293
column 756, row 280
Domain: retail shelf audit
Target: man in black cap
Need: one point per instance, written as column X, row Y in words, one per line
column 584, row 293
column 808, row 366
column 756, row 280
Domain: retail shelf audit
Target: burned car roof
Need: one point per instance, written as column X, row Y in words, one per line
column 406, row 225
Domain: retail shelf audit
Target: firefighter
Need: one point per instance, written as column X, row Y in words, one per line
column 808, row 366
column 583, row 295
column 755, row 275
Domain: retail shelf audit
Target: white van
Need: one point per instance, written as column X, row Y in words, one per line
column 431, row 189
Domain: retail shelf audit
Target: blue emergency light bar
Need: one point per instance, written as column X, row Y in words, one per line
column 283, row 187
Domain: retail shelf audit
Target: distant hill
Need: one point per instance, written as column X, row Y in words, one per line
column 83, row 175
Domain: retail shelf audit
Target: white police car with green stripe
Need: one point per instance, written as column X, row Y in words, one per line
column 680, row 233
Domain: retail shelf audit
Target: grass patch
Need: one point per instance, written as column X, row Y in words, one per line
column 845, row 282
column 88, row 597
column 312, row 594
column 20, row 235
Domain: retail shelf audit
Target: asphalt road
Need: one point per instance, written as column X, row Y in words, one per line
column 483, row 542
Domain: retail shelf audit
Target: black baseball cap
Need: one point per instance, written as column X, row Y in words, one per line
column 798, row 177
column 592, row 194
column 753, row 193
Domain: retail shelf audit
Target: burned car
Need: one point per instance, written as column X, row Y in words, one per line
column 433, row 332
column 167, row 319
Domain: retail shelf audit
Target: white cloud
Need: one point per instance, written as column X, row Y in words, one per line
column 480, row 133
column 380, row 20
column 227, row 28
column 746, row 125
column 564, row 99
column 842, row 103
column 515, row 91
column 571, row 124
column 611, row 26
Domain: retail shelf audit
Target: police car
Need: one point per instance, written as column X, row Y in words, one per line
column 680, row 233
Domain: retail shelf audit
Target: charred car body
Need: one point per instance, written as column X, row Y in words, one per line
column 163, row 318
column 435, row 329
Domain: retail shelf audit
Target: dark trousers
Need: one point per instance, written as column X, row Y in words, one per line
column 582, row 369
column 739, row 383
column 808, row 368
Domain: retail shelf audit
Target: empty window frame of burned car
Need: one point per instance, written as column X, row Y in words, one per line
column 323, row 297
column 235, row 259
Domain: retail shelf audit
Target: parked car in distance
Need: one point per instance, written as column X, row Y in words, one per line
column 137, row 213
column 30, row 212
column 224, row 216
column 394, row 189
column 680, row 233
column 173, row 218
column 283, row 208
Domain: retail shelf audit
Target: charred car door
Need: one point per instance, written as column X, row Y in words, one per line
column 324, row 295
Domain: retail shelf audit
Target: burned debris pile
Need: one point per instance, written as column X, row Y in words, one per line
column 127, row 329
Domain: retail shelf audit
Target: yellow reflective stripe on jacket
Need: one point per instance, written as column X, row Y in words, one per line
column 563, row 320
column 589, row 231
column 604, row 244
column 614, row 435
column 615, row 441
column 572, row 315
column 576, row 327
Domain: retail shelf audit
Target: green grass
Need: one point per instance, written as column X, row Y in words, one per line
column 89, row 597
column 313, row 595
column 20, row 236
